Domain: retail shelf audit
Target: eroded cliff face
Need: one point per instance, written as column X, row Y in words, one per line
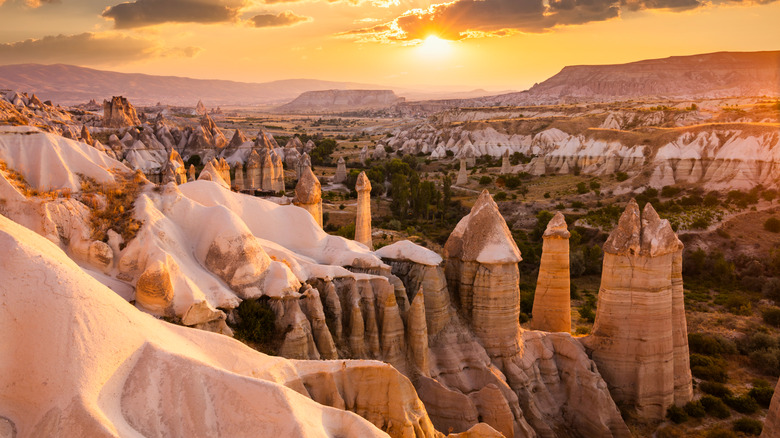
column 639, row 339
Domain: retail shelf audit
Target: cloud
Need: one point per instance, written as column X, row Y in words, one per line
column 459, row 19
column 141, row 13
column 286, row 18
column 89, row 49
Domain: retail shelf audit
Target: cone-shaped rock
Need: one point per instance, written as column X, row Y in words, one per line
column 253, row 171
column 238, row 177
column 85, row 135
column 278, row 185
column 304, row 161
column 417, row 333
column 552, row 303
column 237, row 140
column 308, row 195
column 363, row 222
column 639, row 320
column 481, row 269
column 191, row 173
column 268, row 174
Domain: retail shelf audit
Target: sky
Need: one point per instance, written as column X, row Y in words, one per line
column 495, row 45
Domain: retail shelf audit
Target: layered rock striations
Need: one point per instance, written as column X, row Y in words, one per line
column 552, row 302
column 119, row 113
column 639, row 338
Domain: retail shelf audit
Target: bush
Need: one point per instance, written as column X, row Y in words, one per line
column 748, row 426
column 715, row 407
column 500, row 196
column 771, row 289
column 721, row 433
column 756, row 342
column 762, row 395
column 744, row 404
column 715, row 371
column 582, row 188
column 715, row 389
column 485, row 180
column 766, row 361
column 621, row 176
column 256, row 323
column 676, row 414
column 710, row 345
column 695, row 409
column 772, row 225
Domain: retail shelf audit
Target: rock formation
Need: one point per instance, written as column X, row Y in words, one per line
column 303, row 162
column 772, row 422
column 85, row 135
column 505, row 165
column 278, row 181
column 200, row 109
column 363, row 221
column 639, row 338
column 238, row 177
column 253, row 172
column 174, row 170
column 268, row 178
column 340, row 100
column 463, row 177
column 482, row 274
column 552, row 304
column 191, row 173
column 341, row 171
column 119, row 113
column 308, row 195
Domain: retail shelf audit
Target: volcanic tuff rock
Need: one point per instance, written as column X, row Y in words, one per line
column 463, row 176
column 639, row 339
column 341, row 171
column 143, row 364
column 340, row 100
column 772, row 422
column 308, row 195
column 119, row 113
column 552, row 303
column 363, row 220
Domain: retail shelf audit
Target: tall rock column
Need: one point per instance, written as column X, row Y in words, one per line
column 552, row 303
column 636, row 339
column 463, row 177
column 278, row 182
column 481, row 268
column 238, row 177
column 341, row 171
column 363, row 222
column 267, row 183
column 505, row 165
column 191, row 173
column 253, row 171
column 308, row 195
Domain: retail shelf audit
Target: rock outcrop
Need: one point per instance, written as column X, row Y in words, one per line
column 463, row 176
column 340, row 100
column 639, row 338
column 341, row 171
column 308, row 195
column 772, row 422
column 303, row 162
column 552, row 302
column 363, row 220
column 119, row 113
column 506, row 167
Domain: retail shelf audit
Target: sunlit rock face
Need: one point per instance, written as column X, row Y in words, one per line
column 772, row 422
column 119, row 113
column 308, row 195
column 552, row 302
column 341, row 171
column 363, row 221
column 639, row 339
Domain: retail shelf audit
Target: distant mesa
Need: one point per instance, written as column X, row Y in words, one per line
column 341, row 100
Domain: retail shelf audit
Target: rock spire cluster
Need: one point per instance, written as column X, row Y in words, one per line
column 639, row 339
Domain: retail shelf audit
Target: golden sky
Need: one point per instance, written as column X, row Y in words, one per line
column 464, row 44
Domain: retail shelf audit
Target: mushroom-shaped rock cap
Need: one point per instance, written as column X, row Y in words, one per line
column 658, row 238
column 254, row 159
column 406, row 250
column 483, row 236
column 363, row 184
column 308, row 189
column 341, row 160
column 648, row 234
column 557, row 228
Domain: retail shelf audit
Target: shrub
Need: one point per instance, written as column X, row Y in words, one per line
column 676, row 414
column 710, row 345
column 595, row 185
column 772, row 225
column 715, row 407
column 757, row 341
column 621, row 176
column 582, row 188
column 738, row 305
column 748, row 426
column 721, row 433
column 715, row 372
column 256, row 322
column 762, row 395
column 695, row 409
column 485, row 180
column 500, row 196
column 715, row 389
column 586, row 312
column 766, row 361
column 771, row 289
column 744, row 404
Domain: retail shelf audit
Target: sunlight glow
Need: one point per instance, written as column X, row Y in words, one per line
column 435, row 47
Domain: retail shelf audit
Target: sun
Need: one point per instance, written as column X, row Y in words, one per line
column 434, row 46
